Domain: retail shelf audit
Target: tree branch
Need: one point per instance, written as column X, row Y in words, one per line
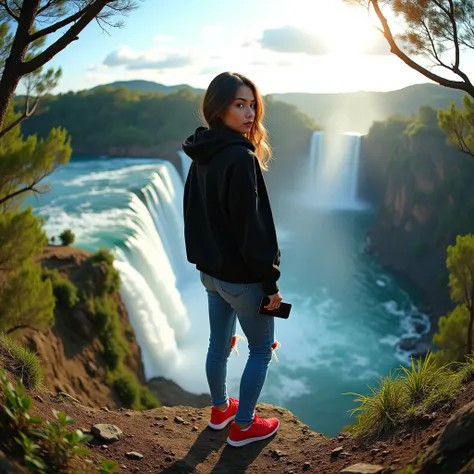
column 72, row 34
column 464, row 85
column 58, row 25
column 28, row 188
column 25, row 115
column 45, row 7
column 455, row 35
column 4, row 4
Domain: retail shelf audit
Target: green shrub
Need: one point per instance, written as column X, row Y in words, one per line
column 147, row 399
column 64, row 290
column 452, row 335
column 58, row 444
column 466, row 372
column 111, row 337
column 105, row 259
column 448, row 388
column 43, row 446
column 67, row 237
column 21, row 362
column 131, row 393
column 102, row 256
column 127, row 388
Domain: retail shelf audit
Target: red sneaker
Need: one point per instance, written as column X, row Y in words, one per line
column 220, row 419
column 259, row 430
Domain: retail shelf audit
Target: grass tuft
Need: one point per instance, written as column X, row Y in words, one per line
column 378, row 412
column 22, row 363
column 406, row 395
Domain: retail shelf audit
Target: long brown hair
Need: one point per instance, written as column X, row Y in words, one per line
column 219, row 96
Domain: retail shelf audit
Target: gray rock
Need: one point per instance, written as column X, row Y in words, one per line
column 178, row 420
column 362, row 468
column 134, row 455
column 459, row 431
column 277, row 454
column 335, row 452
column 106, row 432
column 456, row 438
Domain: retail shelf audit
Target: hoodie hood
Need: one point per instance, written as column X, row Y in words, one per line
column 206, row 142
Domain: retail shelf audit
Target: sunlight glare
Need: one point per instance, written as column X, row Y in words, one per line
column 349, row 32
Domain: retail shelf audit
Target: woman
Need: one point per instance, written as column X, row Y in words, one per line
column 230, row 237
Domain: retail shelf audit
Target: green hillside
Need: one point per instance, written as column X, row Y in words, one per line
column 355, row 111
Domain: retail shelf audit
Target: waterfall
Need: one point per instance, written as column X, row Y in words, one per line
column 315, row 151
column 151, row 263
column 333, row 170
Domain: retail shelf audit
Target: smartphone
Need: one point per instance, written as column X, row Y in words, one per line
column 282, row 312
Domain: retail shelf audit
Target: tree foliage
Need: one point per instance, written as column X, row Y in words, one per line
column 435, row 35
column 24, row 163
column 452, row 335
column 434, row 30
column 25, row 26
column 458, row 124
column 460, row 263
column 67, row 237
column 120, row 121
column 25, row 299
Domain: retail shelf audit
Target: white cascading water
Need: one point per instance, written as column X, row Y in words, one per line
column 333, row 170
column 149, row 263
column 315, row 151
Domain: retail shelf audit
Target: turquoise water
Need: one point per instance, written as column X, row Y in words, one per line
column 348, row 313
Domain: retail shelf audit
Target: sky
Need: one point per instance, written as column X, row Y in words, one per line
column 316, row 46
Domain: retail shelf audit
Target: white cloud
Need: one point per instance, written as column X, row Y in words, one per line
column 158, row 58
column 289, row 39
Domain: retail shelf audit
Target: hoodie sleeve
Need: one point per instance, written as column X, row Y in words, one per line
column 252, row 220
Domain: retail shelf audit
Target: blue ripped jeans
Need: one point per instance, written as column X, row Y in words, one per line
column 228, row 301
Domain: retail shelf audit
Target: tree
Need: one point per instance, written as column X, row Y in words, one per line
column 458, row 125
column 452, row 335
column 25, row 299
column 438, row 31
column 24, row 163
column 67, row 237
column 434, row 29
column 33, row 21
column 460, row 263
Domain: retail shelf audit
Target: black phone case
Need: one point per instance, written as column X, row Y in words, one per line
column 282, row 312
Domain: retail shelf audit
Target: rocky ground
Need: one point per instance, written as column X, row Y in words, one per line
column 177, row 440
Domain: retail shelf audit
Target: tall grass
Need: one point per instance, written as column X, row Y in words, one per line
column 423, row 377
column 409, row 391
column 380, row 410
column 22, row 363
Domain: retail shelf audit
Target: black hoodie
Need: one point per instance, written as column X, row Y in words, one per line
column 228, row 222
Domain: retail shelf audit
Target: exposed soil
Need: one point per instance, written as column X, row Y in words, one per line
column 172, row 445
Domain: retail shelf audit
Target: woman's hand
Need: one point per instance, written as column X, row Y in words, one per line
column 275, row 301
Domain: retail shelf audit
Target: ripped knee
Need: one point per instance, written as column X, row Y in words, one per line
column 235, row 338
column 274, row 346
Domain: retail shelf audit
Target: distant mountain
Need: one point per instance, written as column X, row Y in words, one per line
column 356, row 111
column 351, row 111
column 150, row 86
